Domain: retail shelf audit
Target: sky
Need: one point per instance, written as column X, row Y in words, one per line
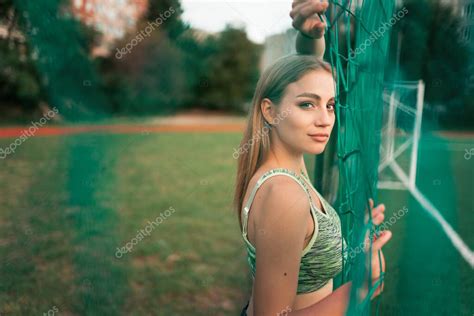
column 260, row 18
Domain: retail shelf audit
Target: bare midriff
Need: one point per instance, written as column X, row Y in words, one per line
column 301, row 300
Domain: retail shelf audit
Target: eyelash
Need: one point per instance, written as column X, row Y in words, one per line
column 332, row 104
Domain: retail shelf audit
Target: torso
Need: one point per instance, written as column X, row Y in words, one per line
column 301, row 300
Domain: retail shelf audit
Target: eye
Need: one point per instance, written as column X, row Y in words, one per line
column 331, row 106
column 303, row 104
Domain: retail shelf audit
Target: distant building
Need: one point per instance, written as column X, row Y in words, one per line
column 112, row 18
column 201, row 35
column 276, row 46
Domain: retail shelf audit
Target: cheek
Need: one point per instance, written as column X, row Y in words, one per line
column 296, row 124
column 293, row 129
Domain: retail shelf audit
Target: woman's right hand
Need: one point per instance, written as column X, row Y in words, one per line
column 305, row 18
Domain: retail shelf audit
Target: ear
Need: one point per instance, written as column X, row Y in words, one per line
column 268, row 110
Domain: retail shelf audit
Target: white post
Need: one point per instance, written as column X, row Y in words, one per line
column 391, row 130
column 417, row 132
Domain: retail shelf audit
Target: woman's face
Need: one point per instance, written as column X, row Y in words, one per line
column 307, row 113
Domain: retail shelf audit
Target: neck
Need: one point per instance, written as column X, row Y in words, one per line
column 282, row 157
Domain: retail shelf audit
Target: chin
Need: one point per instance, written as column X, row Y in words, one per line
column 316, row 149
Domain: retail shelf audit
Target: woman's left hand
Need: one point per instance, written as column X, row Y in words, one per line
column 378, row 213
column 377, row 265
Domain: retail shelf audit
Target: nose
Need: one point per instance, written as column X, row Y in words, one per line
column 323, row 118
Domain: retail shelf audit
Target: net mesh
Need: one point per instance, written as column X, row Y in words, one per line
column 358, row 61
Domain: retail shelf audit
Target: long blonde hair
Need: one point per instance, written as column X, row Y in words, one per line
column 271, row 85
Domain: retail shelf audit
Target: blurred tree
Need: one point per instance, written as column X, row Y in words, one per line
column 45, row 57
column 161, row 75
column 19, row 81
column 150, row 79
column 446, row 70
column 196, row 54
column 154, row 76
column 169, row 11
column 432, row 50
column 231, row 71
column 414, row 28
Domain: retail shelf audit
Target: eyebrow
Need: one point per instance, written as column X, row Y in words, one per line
column 313, row 96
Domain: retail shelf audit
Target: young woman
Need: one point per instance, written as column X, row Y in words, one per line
column 292, row 234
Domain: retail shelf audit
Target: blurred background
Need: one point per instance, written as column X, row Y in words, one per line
column 118, row 124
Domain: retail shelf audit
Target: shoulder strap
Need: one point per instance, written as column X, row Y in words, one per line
column 267, row 175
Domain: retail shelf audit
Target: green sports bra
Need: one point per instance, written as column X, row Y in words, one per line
column 321, row 260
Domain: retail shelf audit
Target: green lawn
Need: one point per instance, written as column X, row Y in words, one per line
column 68, row 202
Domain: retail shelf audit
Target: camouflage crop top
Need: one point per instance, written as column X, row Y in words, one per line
column 321, row 260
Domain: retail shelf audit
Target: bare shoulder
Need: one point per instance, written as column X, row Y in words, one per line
column 282, row 213
column 283, row 189
column 282, row 199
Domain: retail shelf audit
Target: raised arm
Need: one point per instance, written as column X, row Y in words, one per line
column 308, row 19
column 309, row 46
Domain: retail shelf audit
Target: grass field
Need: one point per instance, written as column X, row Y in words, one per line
column 68, row 202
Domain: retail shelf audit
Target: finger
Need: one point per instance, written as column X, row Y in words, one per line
column 313, row 26
column 381, row 240
column 377, row 212
column 378, row 219
column 313, row 7
column 296, row 2
column 378, row 291
column 295, row 12
column 306, row 9
column 371, row 203
column 367, row 241
column 380, row 207
column 319, row 25
column 324, row 6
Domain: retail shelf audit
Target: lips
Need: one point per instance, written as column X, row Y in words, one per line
column 319, row 137
column 320, row 134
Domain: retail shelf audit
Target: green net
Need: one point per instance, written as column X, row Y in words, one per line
column 359, row 62
column 380, row 138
